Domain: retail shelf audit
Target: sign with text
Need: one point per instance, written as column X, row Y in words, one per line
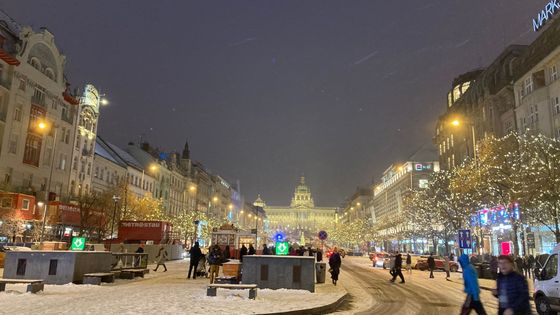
column 465, row 239
column 550, row 9
column 282, row 248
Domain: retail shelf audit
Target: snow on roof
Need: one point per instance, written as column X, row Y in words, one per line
column 127, row 158
column 102, row 149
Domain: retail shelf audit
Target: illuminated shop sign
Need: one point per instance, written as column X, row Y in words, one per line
column 497, row 216
column 551, row 8
column 423, row 166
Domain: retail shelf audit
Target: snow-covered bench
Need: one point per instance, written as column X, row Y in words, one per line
column 212, row 288
column 131, row 273
column 98, row 277
column 33, row 286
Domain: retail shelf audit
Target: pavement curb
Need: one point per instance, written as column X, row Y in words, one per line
column 324, row 309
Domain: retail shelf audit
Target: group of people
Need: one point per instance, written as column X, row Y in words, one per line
column 511, row 290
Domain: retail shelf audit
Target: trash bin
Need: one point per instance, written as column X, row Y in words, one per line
column 320, row 272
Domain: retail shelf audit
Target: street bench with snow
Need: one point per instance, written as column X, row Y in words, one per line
column 131, row 273
column 212, row 288
column 98, row 277
column 33, row 286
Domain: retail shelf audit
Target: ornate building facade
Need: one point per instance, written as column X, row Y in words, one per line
column 302, row 219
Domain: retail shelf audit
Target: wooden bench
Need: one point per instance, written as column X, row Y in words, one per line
column 212, row 288
column 33, row 286
column 131, row 273
column 98, row 277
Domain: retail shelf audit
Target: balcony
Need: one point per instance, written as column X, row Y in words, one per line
column 38, row 100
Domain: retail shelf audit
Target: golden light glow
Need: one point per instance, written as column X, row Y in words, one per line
column 250, row 215
column 401, row 168
column 215, row 199
column 351, row 208
column 192, row 188
column 241, row 211
column 456, row 123
column 153, row 167
column 358, row 204
column 230, row 206
column 104, row 101
column 42, row 125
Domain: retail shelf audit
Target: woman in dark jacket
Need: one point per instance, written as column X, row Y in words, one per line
column 242, row 252
column 334, row 264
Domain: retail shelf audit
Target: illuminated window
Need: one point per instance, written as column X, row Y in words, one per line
column 25, row 204
column 553, row 73
column 452, row 144
column 527, row 86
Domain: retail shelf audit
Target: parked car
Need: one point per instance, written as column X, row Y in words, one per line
column 422, row 263
column 547, row 289
column 379, row 259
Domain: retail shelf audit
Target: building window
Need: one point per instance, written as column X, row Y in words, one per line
column 38, row 97
column 534, row 114
column 452, row 140
column 32, row 150
column 6, row 203
column 22, row 84
column 62, row 162
column 12, row 146
column 17, row 114
column 47, row 157
column 75, row 163
column 553, row 73
column 25, row 204
column 527, row 86
column 78, row 140
column 556, row 105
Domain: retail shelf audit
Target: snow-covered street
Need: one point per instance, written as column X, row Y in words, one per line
column 159, row 292
column 371, row 292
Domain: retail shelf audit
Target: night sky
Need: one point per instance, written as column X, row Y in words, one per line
column 267, row 90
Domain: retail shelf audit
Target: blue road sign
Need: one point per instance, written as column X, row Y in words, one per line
column 465, row 239
column 323, row 235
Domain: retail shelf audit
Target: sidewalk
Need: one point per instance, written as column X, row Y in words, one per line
column 162, row 292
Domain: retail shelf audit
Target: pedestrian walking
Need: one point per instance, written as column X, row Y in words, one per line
column 408, row 263
column 397, row 268
column 319, row 255
column 518, row 264
column 242, row 252
column 215, row 258
column 511, row 290
column 494, row 267
column 161, row 258
column 195, row 254
column 392, row 264
column 531, row 263
column 446, row 267
column 252, row 250
column 470, row 280
column 265, row 250
column 334, row 264
column 138, row 259
column 431, row 264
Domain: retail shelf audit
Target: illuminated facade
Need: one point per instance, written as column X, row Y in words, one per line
column 302, row 220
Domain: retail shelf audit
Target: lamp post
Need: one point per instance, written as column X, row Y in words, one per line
column 43, row 126
column 116, row 201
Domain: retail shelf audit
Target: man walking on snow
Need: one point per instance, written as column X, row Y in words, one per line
column 397, row 269
column 470, row 279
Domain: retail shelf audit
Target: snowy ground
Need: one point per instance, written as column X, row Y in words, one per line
column 397, row 296
column 159, row 292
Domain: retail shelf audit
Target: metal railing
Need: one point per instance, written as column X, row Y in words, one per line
column 129, row 261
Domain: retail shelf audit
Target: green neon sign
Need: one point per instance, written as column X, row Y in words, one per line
column 78, row 243
column 282, row 248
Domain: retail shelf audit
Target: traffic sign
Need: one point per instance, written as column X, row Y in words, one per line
column 78, row 243
column 279, row 236
column 323, row 235
column 282, row 248
column 465, row 239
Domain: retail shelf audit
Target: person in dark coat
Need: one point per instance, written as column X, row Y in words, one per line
column 519, row 264
column 195, row 254
column 138, row 260
column 334, row 264
column 408, row 263
column 242, row 252
column 319, row 255
column 252, row 250
column 531, row 263
column 397, row 268
column 215, row 259
column 511, row 290
column 494, row 267
column 431, row 265
column 265, row 250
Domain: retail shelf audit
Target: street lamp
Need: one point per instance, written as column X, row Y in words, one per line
column 44, row 127
column 457, row 123
column 116, row 201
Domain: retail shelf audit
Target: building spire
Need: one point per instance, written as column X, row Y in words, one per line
column 302, row 179
column 186, row 152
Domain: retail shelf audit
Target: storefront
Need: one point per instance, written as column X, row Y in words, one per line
column 492, row 227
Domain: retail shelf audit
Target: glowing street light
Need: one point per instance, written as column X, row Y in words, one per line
column 104, row 102
column 456, row 123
